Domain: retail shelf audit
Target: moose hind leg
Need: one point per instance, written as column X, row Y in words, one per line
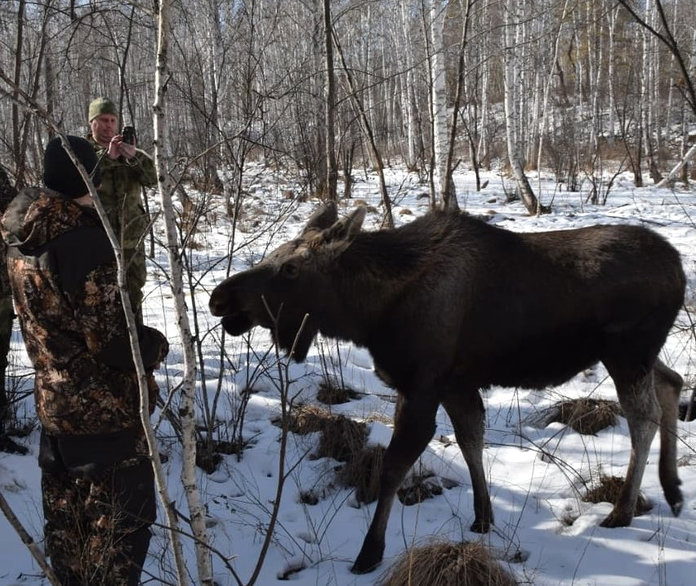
column 668, row 385
column 465, row 410
column 414, row 426
column 642, row 411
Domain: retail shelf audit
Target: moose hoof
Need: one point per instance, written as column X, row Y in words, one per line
column 363, row 566
column 674, row 498
column 676, row 507
column 480, row 526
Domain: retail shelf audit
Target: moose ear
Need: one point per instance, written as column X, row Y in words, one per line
column 347, row 229
column 323, row 218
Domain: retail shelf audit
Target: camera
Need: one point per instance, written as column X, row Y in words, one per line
column 128, row 135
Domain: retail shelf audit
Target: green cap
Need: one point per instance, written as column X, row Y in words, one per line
column 101, row 106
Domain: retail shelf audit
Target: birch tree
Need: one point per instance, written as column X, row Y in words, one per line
column 407, row 90
column 388, row 221
column 438, row 104
column 187, row 410
column 687, row 81
column 547, row 84
column 514, row 132
column 330, row 106
column 448, row 195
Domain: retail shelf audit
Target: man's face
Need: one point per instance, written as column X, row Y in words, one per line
column 103, row 128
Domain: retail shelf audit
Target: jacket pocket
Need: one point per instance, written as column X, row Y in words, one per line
column 86, row 455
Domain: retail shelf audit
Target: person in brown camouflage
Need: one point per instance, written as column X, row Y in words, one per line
column 125, row 170
column 7, row 193
column 97, row 481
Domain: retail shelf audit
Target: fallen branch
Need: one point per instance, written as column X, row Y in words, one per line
column 674, row 172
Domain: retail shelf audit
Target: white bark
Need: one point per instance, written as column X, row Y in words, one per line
column 512, row 114
column 613, row 18
column 408, row 105
column 187, row 409
column 547, row 86
column 674, row 172
column 439, row 96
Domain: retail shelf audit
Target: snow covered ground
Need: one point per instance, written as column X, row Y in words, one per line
column 536, row 476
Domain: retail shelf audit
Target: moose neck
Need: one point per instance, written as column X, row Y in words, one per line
column 370, row 274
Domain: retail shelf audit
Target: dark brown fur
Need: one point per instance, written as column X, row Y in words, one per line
column 448, row 305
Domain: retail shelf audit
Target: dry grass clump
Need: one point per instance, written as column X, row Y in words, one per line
column 341, row 437
column 448, row 564
column 586, row 416
column 330, row 394
column 305, row 419
column 363, row 472
column 607, row 491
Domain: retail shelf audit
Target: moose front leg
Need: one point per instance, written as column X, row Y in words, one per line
column 414, row 426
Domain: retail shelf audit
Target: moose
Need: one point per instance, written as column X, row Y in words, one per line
column 448, row 304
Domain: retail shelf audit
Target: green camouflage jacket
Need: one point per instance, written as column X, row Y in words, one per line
column 121, row 194
column 64, row 281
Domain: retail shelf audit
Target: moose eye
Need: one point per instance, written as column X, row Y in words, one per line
column 290, row 270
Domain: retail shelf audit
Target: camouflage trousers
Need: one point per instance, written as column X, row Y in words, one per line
column 136, row 275
column 97, row 518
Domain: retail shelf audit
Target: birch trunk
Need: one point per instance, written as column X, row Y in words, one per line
column 613, row 17
column 329, row 108
column 408, row 94
column 388, row 220
column 512, row 116
column 547, row 87
column 438, row 101
column 188, row 386
column 674, row 172
column 449, row 196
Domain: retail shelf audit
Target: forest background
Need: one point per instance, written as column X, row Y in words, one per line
column 320, row 91
column 322, row 88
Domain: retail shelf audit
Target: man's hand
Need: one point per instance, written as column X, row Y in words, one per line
column 119, row 148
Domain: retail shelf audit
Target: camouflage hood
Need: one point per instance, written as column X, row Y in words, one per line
column 38, row 215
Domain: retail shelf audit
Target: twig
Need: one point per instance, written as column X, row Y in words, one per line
column 28, row 540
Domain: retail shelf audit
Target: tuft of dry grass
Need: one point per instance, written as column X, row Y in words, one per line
column 448, row 564
column 363, row 472
column 607, row 491
column 334, row 395
column 586, row 416
column 341, row 438
column 305, row 419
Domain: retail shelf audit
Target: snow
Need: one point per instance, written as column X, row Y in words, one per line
column 536, row 476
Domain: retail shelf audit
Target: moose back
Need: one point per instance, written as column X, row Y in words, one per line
column 448, row 305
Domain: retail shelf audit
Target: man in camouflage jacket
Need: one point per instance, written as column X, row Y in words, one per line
column 7, row 193
column 125, row 170
column 97, row 481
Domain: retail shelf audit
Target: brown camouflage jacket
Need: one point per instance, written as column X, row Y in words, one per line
column 64, row 281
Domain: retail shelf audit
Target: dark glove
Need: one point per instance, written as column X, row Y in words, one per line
column 154, row 347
